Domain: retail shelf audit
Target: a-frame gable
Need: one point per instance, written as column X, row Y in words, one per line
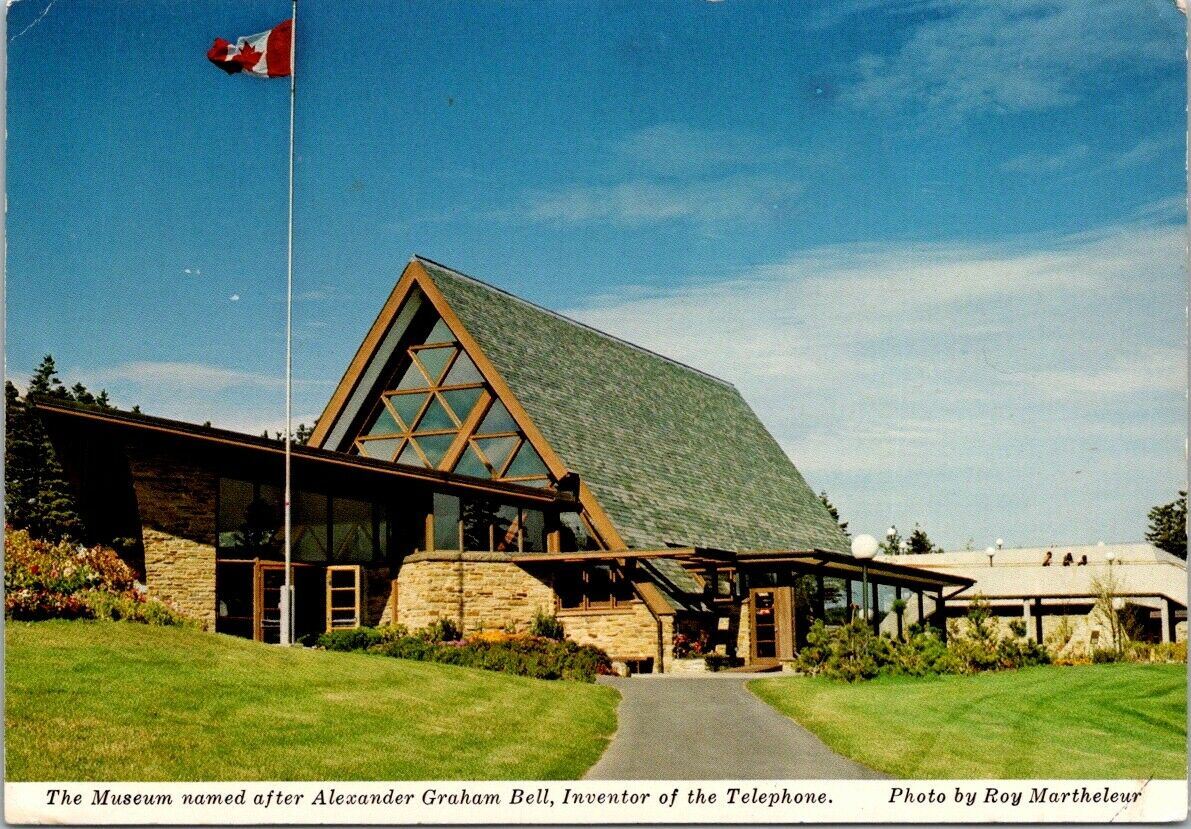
column 435, row 399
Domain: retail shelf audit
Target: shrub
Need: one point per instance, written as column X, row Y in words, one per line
column 1103, row 655
column 1017, row 627
column 441, row 630
column 717, row 661
column 522, row 655
column 547, row 626
column 44, row 580
column 354, row 639
column 1157, row 652
column 850, row 652
column 923, row 653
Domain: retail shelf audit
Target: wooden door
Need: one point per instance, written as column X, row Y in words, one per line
column 773, row 624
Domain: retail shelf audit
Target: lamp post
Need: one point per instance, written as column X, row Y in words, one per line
column 864, row 547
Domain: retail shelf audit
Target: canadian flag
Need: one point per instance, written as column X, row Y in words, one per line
column 266, row 55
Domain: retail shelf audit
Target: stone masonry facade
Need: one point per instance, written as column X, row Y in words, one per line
column 176, row 502
column 629, row 632
column 477, row 591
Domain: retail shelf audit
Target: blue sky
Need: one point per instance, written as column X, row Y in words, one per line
column 938, row 245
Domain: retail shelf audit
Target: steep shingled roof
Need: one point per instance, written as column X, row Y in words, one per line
column 675, row 456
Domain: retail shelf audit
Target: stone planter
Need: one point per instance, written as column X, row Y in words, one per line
column 694, row 665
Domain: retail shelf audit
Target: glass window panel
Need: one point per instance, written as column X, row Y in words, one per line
column 568, row 586
column 446, row 522
column 440, row 333
column 351, row 531
column 435, row 446
column 574, row 534
column 533, row 531
column 462, row 401
column 384, row 449
column 408, row 405
column 412, row 379
column 385, row 423
column 599, row 585
column 835, row 601
column 435, row 418
column 497, row 450
column 434, row 360
column 504, row 534
column 526, row 463
column 262, row 527
column 470, row 464
column 498, row 419
column 234, row 498
column 478, row 516
column 309, row 526
column 464, row 371
column 410, row 456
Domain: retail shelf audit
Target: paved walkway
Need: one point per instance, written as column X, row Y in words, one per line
column 711, row 728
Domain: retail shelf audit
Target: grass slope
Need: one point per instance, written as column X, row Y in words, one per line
column 120, row 701
column 1098, row 721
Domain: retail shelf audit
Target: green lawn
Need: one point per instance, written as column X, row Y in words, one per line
column 1096, row 721
column 121, row 701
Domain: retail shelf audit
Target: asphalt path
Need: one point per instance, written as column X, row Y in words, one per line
column 711, row 728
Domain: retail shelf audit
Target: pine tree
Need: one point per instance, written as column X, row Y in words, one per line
column 891, row 544
column 843, row 525
column 919, row 542
column 1168, row 526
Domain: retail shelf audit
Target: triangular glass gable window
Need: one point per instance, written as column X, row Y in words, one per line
column 497, row 450
column 382, row 449
column 412, row 379
column 435, row 360
column 462, row 401
column 526, row 464
column 385, row 423
column 463, row 373
column 470, row 464
column 408, row 406
column 410, row 456
column 435, row 446
column 440, row 333
column 497, row 420
column 436, row 418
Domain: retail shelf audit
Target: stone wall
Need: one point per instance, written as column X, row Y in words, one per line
column 176, row 502
column 628, row 632
column 478, row 591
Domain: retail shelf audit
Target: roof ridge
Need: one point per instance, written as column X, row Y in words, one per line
column 575, row 322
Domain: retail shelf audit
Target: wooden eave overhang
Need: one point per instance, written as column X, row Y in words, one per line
column 845, row 566
column 80, row 417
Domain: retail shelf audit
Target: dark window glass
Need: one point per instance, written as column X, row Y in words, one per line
column 568, row 584
column 574, row 535
column 413, row 378
column 533, row 531
column 446, row 522
column 382, row 449
column 478, row 516
column 351, row 531
column 234, row 498
column 440, row 333
column 470, row 464
column 309, row 526
column 496, row 450
column 462, row 401
column 385, row 424
column 599, row 585
column 835, row 601
column 463, row 372
column 435, row 418
column 504, row 529
column 410, row 456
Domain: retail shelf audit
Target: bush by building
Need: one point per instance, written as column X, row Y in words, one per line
column 64, row 580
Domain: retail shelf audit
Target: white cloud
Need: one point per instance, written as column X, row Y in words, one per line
column 1045, row 162
column 1146, row 150
column 740, row 198
column 1028, row 55
column 672, row 149
column 932, row 378
column 185, row 376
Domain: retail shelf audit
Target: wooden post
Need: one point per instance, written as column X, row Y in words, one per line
column 921, row 610
column 1038, row 620
column 1167, row 615
column 941, row 613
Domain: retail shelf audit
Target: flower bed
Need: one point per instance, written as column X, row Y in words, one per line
column 68, row 581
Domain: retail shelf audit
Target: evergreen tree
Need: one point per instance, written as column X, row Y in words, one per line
column 919, row 542
column 843, row 525
column 36, row 495
column 891, row 544
column 1168, row 526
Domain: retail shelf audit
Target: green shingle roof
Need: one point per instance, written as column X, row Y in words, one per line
column 675, row 456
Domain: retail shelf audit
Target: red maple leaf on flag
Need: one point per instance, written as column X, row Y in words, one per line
column 248, row 57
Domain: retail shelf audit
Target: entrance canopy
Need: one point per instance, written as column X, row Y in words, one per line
column 825, row 563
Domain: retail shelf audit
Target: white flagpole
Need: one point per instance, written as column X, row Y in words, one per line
column 287, row 596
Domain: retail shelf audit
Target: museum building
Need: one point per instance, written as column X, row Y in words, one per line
column 483, row 460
